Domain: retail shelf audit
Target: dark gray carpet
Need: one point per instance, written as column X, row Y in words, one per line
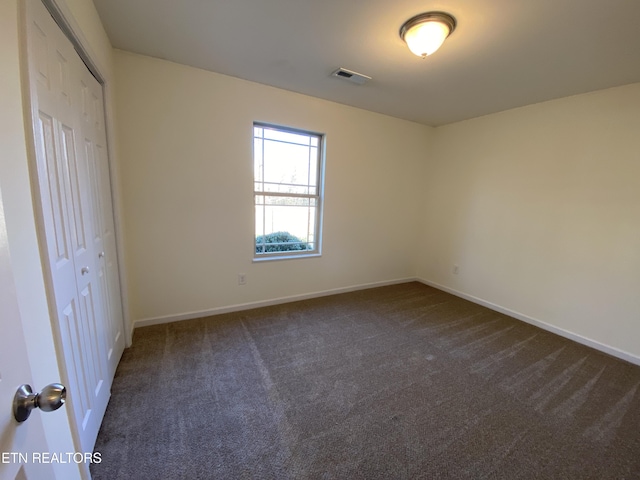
column 403, row 381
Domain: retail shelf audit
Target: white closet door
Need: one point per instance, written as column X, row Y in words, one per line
column 61, row 98
column 104, row 241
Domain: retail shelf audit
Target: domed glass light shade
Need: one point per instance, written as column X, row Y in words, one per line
column 425, row 33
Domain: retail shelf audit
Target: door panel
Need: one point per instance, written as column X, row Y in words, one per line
column 55, row 217
column 65, row 105
column 68, row 228
column 104, row 239
column 17, row 439
column 72, row 339
column 77, row 220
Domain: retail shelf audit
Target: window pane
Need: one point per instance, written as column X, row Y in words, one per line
column 313, row 166
column 286, row 163
column 257, row 159
column 287, row 221
column 300, row 139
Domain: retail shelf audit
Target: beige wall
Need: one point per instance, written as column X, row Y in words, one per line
column 187, row 177
column 540, row 208
column 18, row 206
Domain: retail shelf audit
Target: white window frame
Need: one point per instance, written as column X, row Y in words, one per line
column 318, row 196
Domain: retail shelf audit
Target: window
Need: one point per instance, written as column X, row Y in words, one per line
column 287, row 189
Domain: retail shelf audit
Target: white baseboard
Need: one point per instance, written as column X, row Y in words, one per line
column 629, row 357
column 145, row 322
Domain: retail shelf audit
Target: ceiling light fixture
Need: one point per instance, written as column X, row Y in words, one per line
column 425, row 33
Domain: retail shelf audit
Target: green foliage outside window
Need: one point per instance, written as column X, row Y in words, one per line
column 280, row 242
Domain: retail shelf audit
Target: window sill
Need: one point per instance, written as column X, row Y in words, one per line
column 285, row 257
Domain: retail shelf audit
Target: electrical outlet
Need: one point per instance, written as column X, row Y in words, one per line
column 456, row 269
column 242, row 279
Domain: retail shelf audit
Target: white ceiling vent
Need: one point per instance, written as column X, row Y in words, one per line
column 353, row 77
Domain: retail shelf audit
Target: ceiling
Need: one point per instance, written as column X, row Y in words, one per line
column 503, row 53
